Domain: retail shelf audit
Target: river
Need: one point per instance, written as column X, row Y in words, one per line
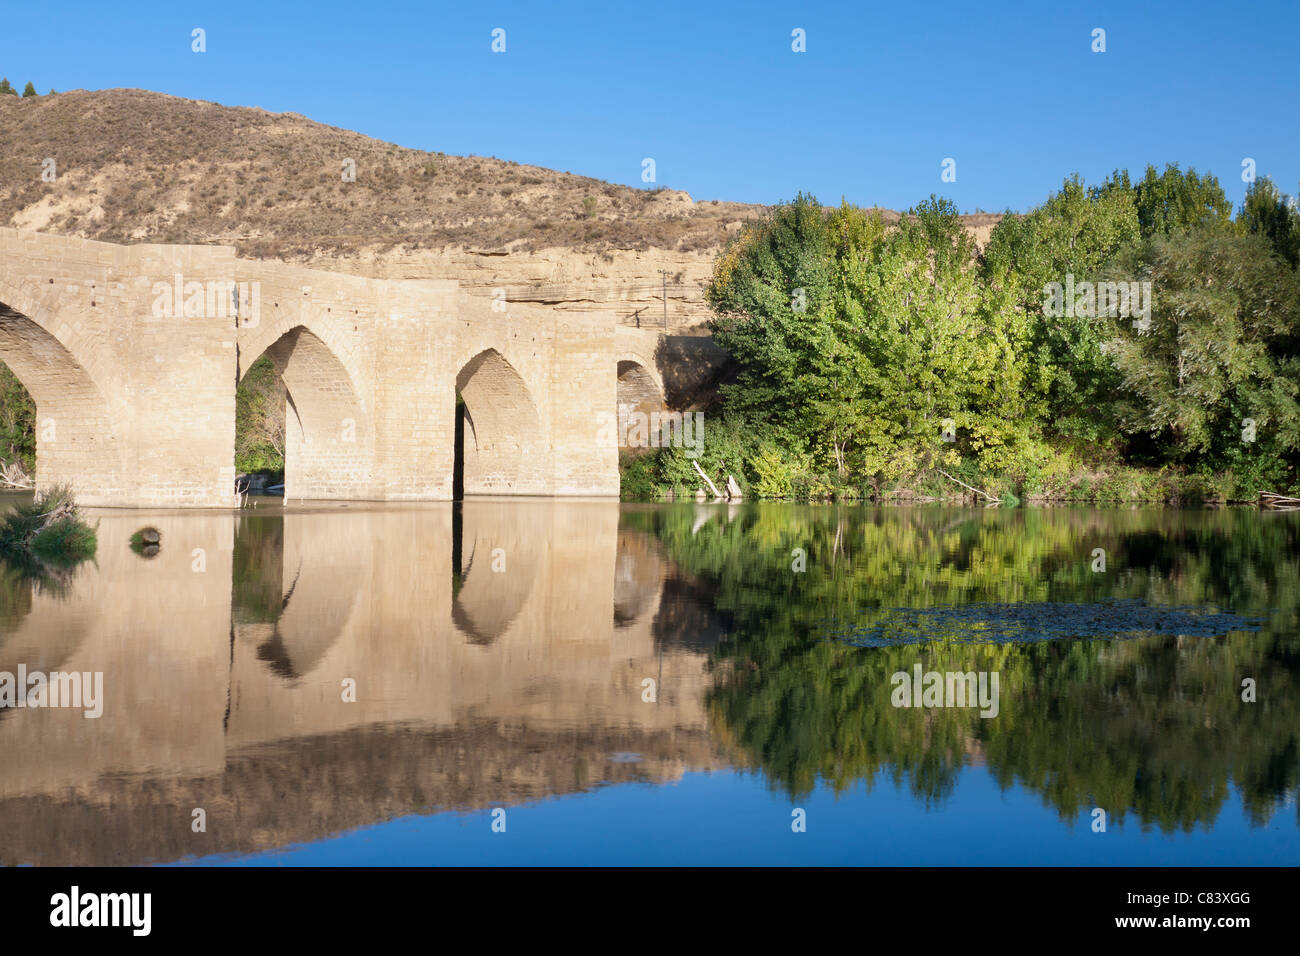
column 574, row 682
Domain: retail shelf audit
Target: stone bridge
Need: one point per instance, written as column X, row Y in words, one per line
column 132, row 355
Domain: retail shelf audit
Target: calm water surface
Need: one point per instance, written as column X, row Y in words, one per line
column 661, row 684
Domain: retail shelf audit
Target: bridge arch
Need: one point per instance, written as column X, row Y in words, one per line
column 329, row 435
column 77, row 441
column 639, row 383
column 640, row 392
column 503, row 450
column 144, row 407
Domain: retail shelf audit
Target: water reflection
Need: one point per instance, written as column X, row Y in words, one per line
column 1155, row 725
column 226, row 657
column 494, row 567
column 499, row 652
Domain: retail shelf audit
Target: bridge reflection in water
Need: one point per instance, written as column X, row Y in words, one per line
column 498, row 650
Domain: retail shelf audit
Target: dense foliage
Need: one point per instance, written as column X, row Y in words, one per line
column 17, row 422
column 260, row 409
column 871, row 358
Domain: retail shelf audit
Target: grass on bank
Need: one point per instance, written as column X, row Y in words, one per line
column 770, row 466
column 47, row 532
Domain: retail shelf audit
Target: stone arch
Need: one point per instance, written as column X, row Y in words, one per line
column 77, row 440
column 639, row 383
column 504, row 448
column 329, row 436
column 37, row 301
column 640, row 391
column 43, row 641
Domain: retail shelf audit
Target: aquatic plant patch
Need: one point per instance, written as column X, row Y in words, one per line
column 1021, row 621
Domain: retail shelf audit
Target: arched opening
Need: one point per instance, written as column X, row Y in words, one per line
column 260, row 403
column 55, row 418
column 297, row 408
column 638, row 577
column 639, row 397
column 17, row 432
column 43, row 641
column 458, row 467
column 500, row 449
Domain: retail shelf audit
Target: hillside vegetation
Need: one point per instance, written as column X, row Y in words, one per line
column 134, row 166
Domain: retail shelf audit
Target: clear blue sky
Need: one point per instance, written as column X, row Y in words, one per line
column 713, row 92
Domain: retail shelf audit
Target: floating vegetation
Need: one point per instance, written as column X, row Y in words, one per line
column 1025, row 622
column 146, row 542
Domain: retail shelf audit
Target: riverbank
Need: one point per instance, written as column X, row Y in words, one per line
column 659, row 476
column 46, row 534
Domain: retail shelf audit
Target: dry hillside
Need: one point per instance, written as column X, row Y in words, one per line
column 137, row 166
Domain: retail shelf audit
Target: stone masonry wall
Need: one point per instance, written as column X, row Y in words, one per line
column 133, row 354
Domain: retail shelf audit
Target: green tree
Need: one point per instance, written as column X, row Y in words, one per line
column 936, row 343
column 260, row 419
column 6, row 88
column 773, row 295
column 856, row 341
column 1175, row 201
column 1075, row 232
column 1221, row 349
column 29, row 90
column 1268, row 212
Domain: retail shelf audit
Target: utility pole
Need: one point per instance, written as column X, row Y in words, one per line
column 664, row 274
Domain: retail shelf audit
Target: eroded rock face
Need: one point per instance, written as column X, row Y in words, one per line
column 629, row 283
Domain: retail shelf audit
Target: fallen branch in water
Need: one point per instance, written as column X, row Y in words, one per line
column 712, row 487
column 13, row 476
column 964, row 485
column 1269, row 499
